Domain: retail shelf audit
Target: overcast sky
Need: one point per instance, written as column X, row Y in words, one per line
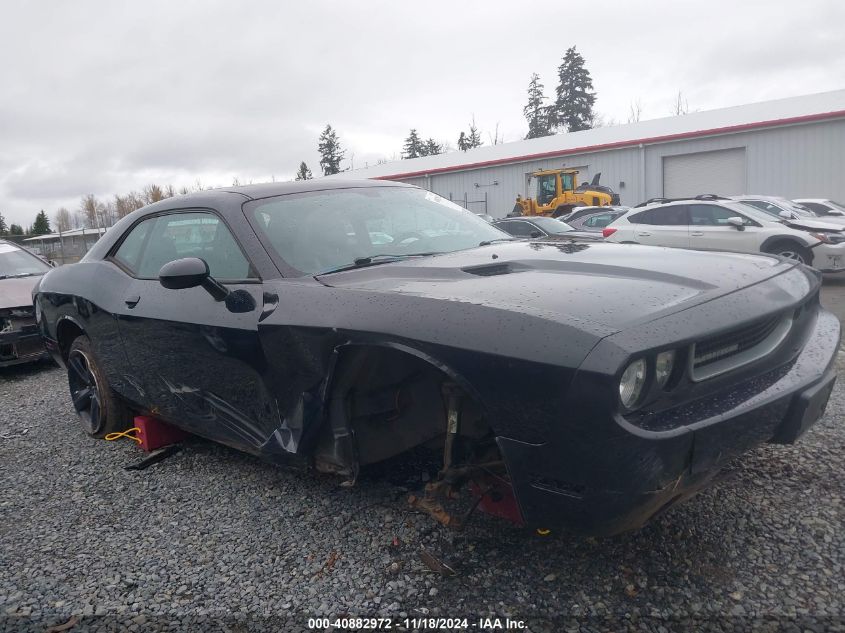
column 106, row 97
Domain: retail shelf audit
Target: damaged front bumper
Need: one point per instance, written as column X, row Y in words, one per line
column 20, row 340
column 631, row 475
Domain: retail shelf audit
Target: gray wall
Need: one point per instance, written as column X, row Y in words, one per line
column 805, row 160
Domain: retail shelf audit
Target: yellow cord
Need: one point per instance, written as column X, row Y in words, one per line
column 127, row 433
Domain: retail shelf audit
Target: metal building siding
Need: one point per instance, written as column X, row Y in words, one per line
column 804, row 160
column 722, row 171
column 616, row 166
column 794, row 161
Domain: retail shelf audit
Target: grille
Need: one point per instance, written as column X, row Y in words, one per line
column 718, row 354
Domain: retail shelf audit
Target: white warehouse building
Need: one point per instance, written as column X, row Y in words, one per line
column 792, row 147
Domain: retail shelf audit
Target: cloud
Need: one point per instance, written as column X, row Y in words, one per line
column 105, row 97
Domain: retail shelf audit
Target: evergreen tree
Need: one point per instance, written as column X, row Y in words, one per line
column 41, row 226
column 15, row 229
column 414, row 146
column 463, row 142
column 535, row 112
column 330, row 151
column 432, row 148
column 573, row 108
column 304, row 173
column 474, row 139
column 4, row 230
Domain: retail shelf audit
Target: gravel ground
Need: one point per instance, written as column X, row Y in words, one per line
column 212, row 539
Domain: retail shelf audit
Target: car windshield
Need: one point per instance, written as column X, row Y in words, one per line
column 774, row 209
column 552, row 226
column 322, row 231
column 16, row 262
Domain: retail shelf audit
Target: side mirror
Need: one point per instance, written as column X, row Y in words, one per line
column 191, row 272
column 786, row 215
column 737, row 222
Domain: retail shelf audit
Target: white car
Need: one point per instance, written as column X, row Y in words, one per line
column 822, row 207
column 788, row 209
column 713, row 223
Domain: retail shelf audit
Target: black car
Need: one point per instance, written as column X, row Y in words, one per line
column 345, row 323
column 539, row 227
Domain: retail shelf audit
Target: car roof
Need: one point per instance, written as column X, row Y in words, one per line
column 269, row 189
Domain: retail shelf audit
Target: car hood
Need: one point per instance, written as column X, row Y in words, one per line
column 17, row 291
column 600, row 287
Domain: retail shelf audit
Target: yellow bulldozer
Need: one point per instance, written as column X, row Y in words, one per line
column 558, row 192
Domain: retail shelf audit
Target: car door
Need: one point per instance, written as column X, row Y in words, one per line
column 199, row 359
column 662, row 226
column 710, row 229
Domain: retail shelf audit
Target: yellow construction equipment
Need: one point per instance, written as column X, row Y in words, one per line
column 558, row 192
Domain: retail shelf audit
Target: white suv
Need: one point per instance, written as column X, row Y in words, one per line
column 788, row 209
column 714, row 223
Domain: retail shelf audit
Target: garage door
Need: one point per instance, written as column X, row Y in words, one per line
column 721, row 172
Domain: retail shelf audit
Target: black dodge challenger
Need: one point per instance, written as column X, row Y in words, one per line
column 588, row 385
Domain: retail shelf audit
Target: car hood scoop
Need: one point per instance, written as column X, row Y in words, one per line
column 605, row 287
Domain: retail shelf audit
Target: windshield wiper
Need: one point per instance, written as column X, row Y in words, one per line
column 498, row 239
column 372, row 260
column 16, row 275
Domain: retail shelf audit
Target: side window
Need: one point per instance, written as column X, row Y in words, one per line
column 168, row 237
column 129, row 253
column 675, row 215
column 712, row 215
column 815, row 207
column 518, row 228
column 599, row 221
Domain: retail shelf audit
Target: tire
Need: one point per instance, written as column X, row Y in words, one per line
column 98, row 407
column 562, row 210
column 791, row 250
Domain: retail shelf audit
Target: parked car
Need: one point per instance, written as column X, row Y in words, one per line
column 20, row 270
column 822, row 207
column 539, row 227
column 595, row 221
column 787, row 209
column 715, row 223
column 579, row 212
column 576, row 383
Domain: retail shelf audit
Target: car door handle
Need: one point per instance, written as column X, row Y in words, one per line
column 697, row 234
column 644, row 233
column 131, row 302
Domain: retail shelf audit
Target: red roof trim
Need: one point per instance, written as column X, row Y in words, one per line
column 809, row 118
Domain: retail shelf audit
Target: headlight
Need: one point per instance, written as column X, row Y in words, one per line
column 663, row 367
column 829, row 238
column 631, row 383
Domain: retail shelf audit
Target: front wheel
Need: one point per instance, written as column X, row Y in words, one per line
column 791, row 250
column 97, row 406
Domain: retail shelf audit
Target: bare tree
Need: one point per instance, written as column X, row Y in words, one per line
column 635, row 111
column 169, row 191
column 63, row 221
column 681, row 105
column 494, row 138
column 88, row 207
column 153, row 193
